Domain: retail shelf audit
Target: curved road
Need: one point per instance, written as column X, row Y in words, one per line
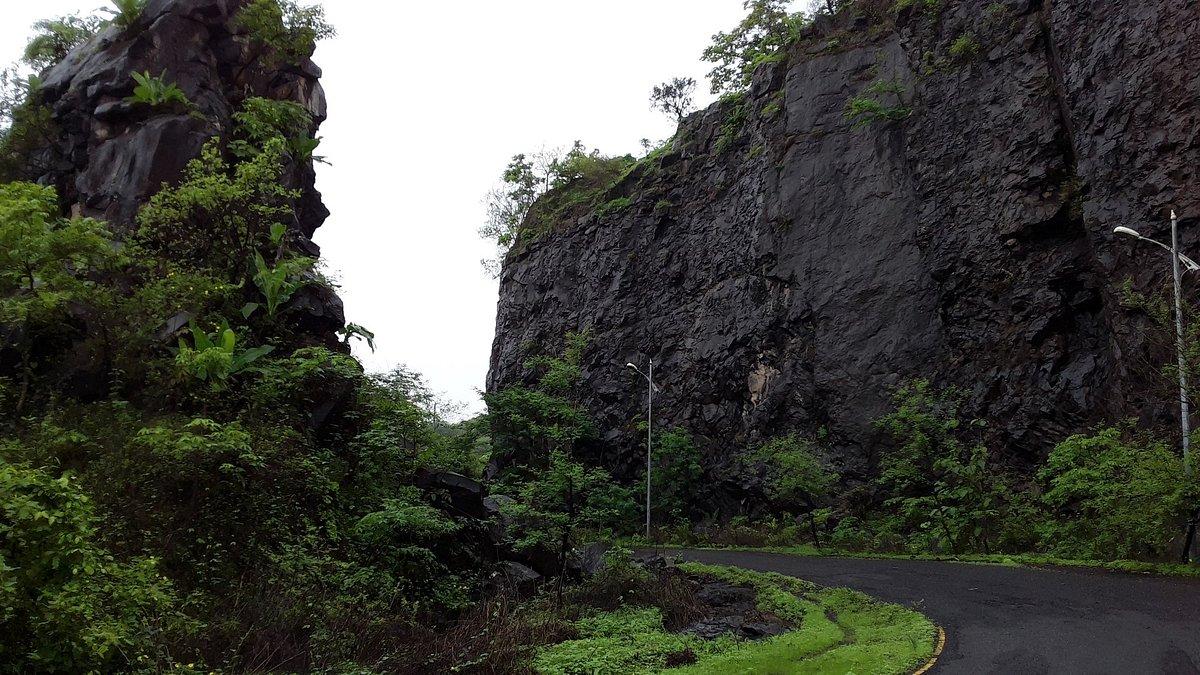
column 1019, row 620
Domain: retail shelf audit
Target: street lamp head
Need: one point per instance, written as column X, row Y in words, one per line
column 631, row 366
column 1128, row 231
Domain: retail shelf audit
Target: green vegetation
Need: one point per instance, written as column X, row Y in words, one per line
column 262, row 119
column 734, row 122
column 45, row 265
column 55, row 38
column 837, row 631
column 1120, row 495
column 918, row 5
column 26, row 126
column 65, row 603
column 869, row 107
column 760, row 37
column 1115, row 498
column 218, row 216
column 676, row 477
column 156, row 92
column 283, row 31
column 965, row 48
column 674, row 98
column 125, row 13
column 796, row 480
column 540, row 191
column 942, row 492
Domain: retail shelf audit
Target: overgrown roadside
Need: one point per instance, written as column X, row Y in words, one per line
column 835, row 630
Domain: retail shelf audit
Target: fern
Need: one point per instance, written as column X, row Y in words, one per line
column 127, row 12
column 156, row 92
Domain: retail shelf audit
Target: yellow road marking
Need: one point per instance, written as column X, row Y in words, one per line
column 941, row 644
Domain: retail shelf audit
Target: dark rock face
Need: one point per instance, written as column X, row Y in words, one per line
column 788, row 276
column 112, row 156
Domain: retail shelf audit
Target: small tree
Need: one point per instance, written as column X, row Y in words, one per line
column 767, row 28
column 552, row 508
column 935, row 484
column 55, row 38
column 282, row 31
column 529, row 424
column 674, row 98
column 795, row 477
column 219, row 216
column 675, row 478
column 45, row 262
column 526, row 178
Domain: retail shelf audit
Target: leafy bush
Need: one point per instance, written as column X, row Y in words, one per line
column 214, row 358
column 26, row 128
column 766, row 30
column 260, row 120
column 283, row 31
column 280, row 282
column 65, row 604
column 217, row 217
column 45, row 262
column 1115, row 496
column 675, row 476
column 527, row 425
column 55, row 38
column 551, row 508
column 940, row 491
column 156, row 92
column 965, row 47
column 862, row 110
column 125, row 13
column 796, row 480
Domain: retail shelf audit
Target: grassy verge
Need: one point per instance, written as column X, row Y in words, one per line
column 1011, row 560
column 839, row 631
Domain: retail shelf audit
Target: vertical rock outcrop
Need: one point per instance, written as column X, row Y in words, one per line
column 787, row 272
column 113, row 155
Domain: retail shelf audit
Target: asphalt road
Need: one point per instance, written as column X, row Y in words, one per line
column 1018, row 620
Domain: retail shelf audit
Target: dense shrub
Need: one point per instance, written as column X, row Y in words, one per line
column 65, row 604
column 1115, row 495
column 675, row 477
column 766, row 30
column 218, row 217
column 283, row 31
column 940, row 490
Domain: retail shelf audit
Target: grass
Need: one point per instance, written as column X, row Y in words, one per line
column 1010, row 560
column 840, row 631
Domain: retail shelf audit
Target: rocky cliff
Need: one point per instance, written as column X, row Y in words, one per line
column 785, row 269
column 109, row 156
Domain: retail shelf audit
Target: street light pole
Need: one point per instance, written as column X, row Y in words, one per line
column 649, row 432
column 1183, row 384
column 1178, row 261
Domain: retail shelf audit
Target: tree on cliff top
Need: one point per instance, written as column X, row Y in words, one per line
column 674, row 98
column 767, row 29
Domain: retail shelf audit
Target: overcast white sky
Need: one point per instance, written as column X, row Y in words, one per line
column 427, row 103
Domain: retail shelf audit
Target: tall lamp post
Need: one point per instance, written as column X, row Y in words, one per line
column 649, row 431
column 1177, row 259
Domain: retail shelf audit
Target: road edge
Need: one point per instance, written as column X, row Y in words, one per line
column 937, row 651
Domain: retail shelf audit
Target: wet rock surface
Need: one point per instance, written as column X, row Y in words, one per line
column 731, row 611
column 787, row 277
column 111, row 156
